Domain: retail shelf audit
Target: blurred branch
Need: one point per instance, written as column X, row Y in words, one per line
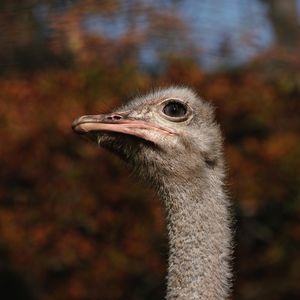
column 285, row 18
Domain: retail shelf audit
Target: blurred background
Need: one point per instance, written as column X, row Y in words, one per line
column 73, row 223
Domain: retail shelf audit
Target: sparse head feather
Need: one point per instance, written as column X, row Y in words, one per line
column 185, row 94
column 195, row 144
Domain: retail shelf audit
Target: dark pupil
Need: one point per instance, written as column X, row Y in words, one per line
column 175, row 109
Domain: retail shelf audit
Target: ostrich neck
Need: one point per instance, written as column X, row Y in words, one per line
column 199, row 239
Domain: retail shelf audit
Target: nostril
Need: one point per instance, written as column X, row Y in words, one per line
column 113, row 117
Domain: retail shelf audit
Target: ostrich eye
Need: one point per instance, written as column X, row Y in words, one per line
column 175, row 109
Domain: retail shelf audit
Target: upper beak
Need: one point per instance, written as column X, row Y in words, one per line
column 119, row 123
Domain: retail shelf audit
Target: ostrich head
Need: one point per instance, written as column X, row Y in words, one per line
column 170, row 132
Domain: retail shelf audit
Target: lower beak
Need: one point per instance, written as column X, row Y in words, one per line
column 119, row 123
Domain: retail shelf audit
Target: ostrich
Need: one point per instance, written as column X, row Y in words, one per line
column 170, row 139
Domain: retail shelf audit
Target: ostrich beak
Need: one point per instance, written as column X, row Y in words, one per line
column 119, row 123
